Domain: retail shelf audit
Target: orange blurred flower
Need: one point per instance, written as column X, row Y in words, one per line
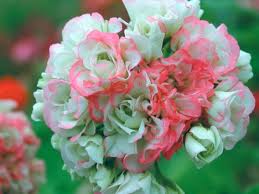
column 11, row 88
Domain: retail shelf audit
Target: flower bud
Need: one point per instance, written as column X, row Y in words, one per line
column 203, row 145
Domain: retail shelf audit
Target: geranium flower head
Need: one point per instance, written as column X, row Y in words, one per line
column 118, row 103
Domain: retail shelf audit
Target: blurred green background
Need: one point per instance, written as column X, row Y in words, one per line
column 34, row 25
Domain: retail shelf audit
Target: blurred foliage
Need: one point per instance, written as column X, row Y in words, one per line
column 235, row 172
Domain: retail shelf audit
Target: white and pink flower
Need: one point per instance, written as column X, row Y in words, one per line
column 231, row 106
column 208, row 42
column 119, row 103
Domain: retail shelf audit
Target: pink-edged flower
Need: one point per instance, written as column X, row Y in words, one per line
column 169, row 13
column 65, row 54
column 104, row 59
column 105, row 65
column 192, row 76
column 162, row 137
column 221, row 48
column 77, row 28
column 61, row 107
column 231, row 106
column 184, row 84
column 151, row 27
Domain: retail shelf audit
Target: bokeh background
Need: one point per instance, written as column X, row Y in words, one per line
column 29, row 27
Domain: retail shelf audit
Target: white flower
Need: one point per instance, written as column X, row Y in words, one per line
column 170, row 13
column 148, row 38
column 80, row 156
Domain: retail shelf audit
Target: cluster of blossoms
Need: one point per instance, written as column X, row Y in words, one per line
column 20, row 172
column 117, row 104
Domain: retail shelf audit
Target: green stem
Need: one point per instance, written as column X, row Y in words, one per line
column 164, row 180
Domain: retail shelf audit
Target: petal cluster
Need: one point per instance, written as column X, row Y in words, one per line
column 20, row 172
column 117, row 103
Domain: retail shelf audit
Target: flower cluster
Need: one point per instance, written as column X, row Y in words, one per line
column 116, row 104
column 20, row 172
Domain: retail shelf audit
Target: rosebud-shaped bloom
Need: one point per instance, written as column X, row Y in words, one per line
column 193, row 78
column 105, row 61
column 126, row 118
column 64, row 55
column 82, row 154
column 231, row 106
column 244, row 67
column 203, row 145
column 169, row 13
column 148, row 38
column 61, row 107
column 215, row 45
column 129, row 183
column 125, row 126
